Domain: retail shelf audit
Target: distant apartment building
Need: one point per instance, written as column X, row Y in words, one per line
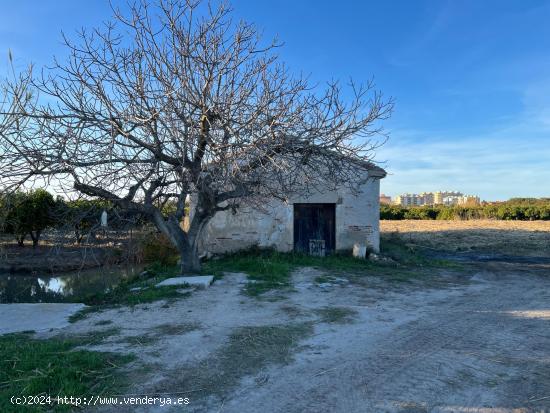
column 436, row 198
column 450, row 200
column 408, row 200
column 385, row 199
column 427, row 198
column 447, row 197
column 469, row 200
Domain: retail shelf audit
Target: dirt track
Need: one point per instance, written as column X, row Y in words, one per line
column 477, row 342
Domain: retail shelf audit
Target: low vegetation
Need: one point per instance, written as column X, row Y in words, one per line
column 55, row 367
column 32, row 213
column 138, row 290
column 159, row 332
column 517, row 209
column 337, row 315
column 268, row 269
column 248, row 351
column 93, row 337
column 155, row 248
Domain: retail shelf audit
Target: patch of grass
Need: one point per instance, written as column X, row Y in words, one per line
column 268, row 269
column 82, row 314
column 134, row 293
column 411, row 407
column 393, row 246
column 324, row 279
column 259, row 287
column 339, row 315
column 103, row 323
column 93, row 338
column 247, row 352
column 158, row 332
column 144, row 340
column 31, row 367
column 176, row 329
column 292, row 311
column 139, row 290
column 158, row 271
column 148, row 295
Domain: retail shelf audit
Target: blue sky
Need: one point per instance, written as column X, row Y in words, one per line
column 471, row 79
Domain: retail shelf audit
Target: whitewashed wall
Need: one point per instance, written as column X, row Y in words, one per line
column 357, row 221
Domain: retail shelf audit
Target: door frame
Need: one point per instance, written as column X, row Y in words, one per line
column 332, row 206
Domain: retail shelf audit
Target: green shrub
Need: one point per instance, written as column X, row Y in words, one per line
column 83, row 216
column 424, row 212
column 156, row 247
column 521, row 209
column 392, row 212
column 28, row 213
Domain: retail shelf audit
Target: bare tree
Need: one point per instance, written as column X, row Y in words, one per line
column 174, row 100
column 15, row 98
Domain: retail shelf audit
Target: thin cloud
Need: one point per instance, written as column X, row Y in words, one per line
column 494, row 167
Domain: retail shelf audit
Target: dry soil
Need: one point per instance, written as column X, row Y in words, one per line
column 479, row 342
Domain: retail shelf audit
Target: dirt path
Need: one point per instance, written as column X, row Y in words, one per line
column 477, row 344
column 480, row 348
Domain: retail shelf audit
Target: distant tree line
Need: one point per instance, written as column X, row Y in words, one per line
column 28, row 214
column 516, row 209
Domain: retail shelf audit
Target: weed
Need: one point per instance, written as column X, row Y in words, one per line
column 412, row 407
column 323, row 279
column 103, row 322
column 158, row 332
column 176, row 329
column 144, row 340
column 133, row 292
column 292, row 311
column 93, row 338
column 30, row 366
column 156, row 247
column 268, row 269
column 248, row 351
column 339, row 315
column 82, row 314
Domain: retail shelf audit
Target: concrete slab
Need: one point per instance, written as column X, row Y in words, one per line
column 200, row 281
column 38, row 317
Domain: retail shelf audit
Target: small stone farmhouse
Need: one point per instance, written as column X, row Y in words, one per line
column 320, row 223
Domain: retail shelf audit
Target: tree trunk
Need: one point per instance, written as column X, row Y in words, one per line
column 190, row 261
column 186, row 244
column 78, row 236
column 35, row 238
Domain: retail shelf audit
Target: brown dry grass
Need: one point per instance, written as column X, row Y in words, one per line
column 501, row 237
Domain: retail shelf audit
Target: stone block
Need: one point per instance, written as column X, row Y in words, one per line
column 359, row 251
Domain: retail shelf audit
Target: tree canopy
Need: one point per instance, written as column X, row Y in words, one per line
column 175, row 99
column 27, row 214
